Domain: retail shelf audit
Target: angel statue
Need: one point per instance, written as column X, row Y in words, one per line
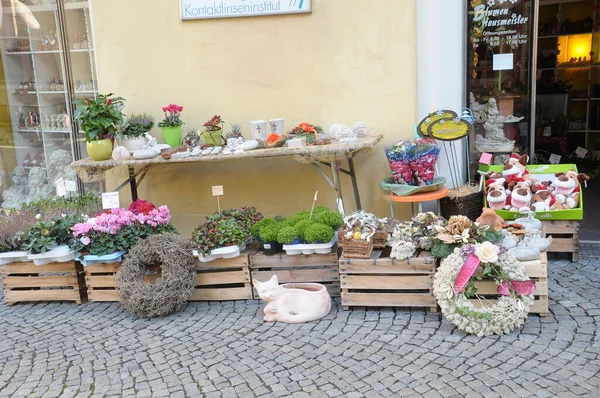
column 493, row 123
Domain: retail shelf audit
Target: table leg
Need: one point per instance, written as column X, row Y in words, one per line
column 392, row 210
column 133, row 184
column 335, row 169
column 420, row 207
column 354, row 183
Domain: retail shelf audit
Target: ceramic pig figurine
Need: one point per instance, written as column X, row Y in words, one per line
column 293, row 302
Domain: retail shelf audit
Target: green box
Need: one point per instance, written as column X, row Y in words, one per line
column 570, row 214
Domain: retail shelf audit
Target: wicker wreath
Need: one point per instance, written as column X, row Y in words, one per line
column 174, row 287
column 511, row 310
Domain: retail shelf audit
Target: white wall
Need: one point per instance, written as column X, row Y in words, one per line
column 441, row 42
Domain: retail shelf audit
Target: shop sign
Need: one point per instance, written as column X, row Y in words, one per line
column 210, row 9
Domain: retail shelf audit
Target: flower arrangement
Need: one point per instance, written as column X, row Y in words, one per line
column 311, row 132
column 413, row 163
column 135, row 126
column 44, row 235
column 172, row 116
column 119, row 229
column 459, row 231
column 236, row 131
column 214, row 124
column 454, row 285
column 418, row 233
column 99, row 117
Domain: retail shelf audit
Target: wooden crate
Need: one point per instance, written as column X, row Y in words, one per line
column 384, row 282
column 218, row 280
column 50, row 282
column 536, row 270
column 315, row 268
column 565, row 237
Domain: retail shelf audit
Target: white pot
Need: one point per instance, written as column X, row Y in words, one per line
column 276, row 126
column 258, row 128
column 134, row 144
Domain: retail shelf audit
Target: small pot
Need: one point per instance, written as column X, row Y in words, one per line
column 213, row 138
column 271, row 248
column 133, row 144
column 99, row 149
column 172, row 135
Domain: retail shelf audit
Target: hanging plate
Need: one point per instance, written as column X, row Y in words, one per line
column 423, row 126
column 449, row 129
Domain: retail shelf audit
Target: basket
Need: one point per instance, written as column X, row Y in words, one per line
column 358, row 248
column 469, row 205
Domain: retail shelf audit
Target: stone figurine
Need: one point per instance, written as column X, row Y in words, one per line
column 293, row 302
column 493, row 123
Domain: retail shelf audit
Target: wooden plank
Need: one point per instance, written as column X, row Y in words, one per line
column 299, row 275
column 387, row 282
column 490, row 288
column 561, row 227
column 42, row 295
column 543, row 260
column 332, row 287
column 101, row 281
column 388, row 267
column 282, row 260
column 221, row 278
column 564, row 245
column 102, row 268
column 388, row 300
column 31, row 268
column 237, row 293
column 240, row 261
column 40, row 281
column 540, row 306
column 103, row 295
column 536, row 271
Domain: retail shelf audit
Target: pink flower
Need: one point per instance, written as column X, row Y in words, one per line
column 85, row 240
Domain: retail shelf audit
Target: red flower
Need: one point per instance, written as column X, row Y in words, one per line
column 164, row 109
column 88, row 102
column 108, row 102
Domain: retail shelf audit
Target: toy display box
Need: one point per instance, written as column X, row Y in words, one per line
column 544, row 172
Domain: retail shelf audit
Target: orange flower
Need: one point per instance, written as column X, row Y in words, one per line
column 273, row 138
column 307, row 128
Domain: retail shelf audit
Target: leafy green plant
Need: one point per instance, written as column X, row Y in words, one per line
column 295, row 218
column 13, row 222
column 256, row 227
column 99, row 117
column 88, row 204
column 301, row 227
column 39, row 238
column 331, row 218
column 135, row 126
column 172, row 116
column 287, row 235
column 213, row 234
column 269, row 233
column 247, row 216
column 214, row 124
column 318, row 233
column 320, row 209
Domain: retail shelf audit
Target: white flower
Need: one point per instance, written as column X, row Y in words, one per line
column 38, row 216
column 491, row 3
column 487, row 252
column 63, row 215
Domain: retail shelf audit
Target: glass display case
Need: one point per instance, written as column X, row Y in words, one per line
column 47, row 61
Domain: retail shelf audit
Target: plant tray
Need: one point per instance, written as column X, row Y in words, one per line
column 312, row 268
column 61, row 281
column 13, row 257
column 544, row 172
column 59, row 254
column 312, row 248
column 221, row 252
column 92, row 259
column 381, row 281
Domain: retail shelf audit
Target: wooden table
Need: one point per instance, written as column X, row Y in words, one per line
column 417, row 198
column 330, row 155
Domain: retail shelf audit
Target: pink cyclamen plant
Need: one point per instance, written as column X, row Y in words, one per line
column 172, row 116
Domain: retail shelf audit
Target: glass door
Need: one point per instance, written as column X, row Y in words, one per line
column 499, row 54
column 47, row 60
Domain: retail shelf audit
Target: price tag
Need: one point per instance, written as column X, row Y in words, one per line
column 110, row 200
column 217, row 190
column 554, row 159
column 485, row 158
column 581, row 152
column 71, row 186
column 61, row 188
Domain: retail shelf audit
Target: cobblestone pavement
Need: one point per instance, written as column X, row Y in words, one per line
column 215, row 350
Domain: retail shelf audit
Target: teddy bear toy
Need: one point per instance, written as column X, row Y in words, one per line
column 543, row 200
column 520, row 197
column 490, row 218
column 566, row 188
column 515, row 165
column 495, row 195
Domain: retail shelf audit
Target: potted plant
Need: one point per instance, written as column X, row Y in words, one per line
column 268, row 235
column 11, row 224
column 171, row 125
column 213, row 131
column 307, row 131
column 219, row 231
column 131, row 133
column 99, row 118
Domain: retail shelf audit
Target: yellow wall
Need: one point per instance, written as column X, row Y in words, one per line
column 345, row 62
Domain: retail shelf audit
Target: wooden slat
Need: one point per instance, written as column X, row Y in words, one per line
column 31, row 268
column 561, row 227
column 101, row 281
column 221, row 278
column 543, row 260
column 536, row 270
column 240, row 261
column 386, row 282
column 237, row 293
column 40, row 281
column 387, row 266
column 564, row 245
column 102, row 268
column 299, row 275
column 540, row 306
column 388, row 300
column 490, row 287
column 42, row 295
column 103, row 295
column 282, row 260
column 333, row 288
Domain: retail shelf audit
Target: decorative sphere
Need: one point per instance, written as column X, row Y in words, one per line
column 120, row 153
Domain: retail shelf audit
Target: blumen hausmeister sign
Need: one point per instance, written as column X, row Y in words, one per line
column 205, row 9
